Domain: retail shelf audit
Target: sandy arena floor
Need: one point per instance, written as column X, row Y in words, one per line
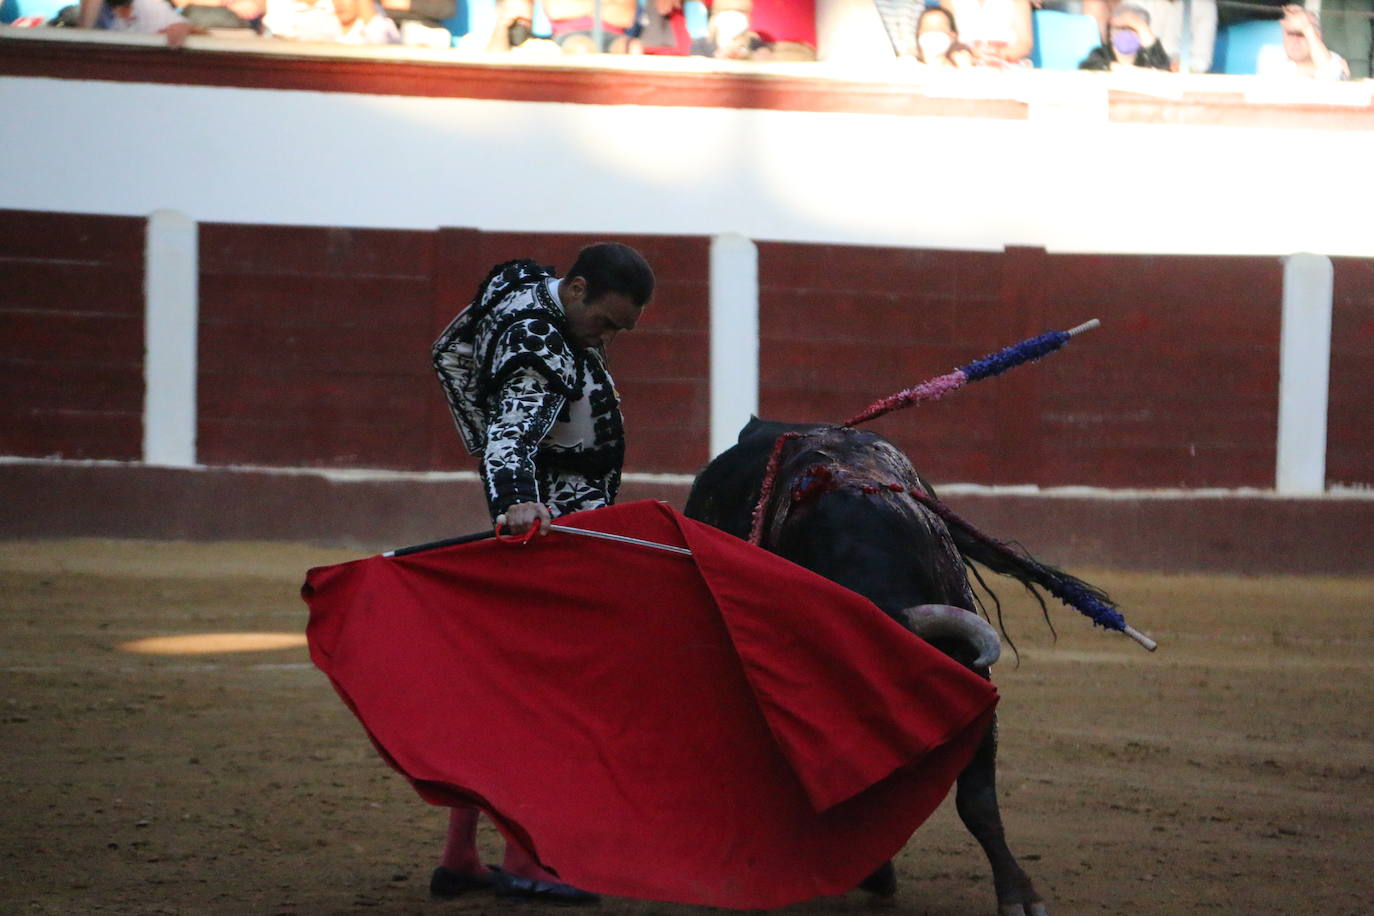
column 1231, row 772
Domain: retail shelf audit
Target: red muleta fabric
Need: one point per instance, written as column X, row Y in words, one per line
column 726, row 729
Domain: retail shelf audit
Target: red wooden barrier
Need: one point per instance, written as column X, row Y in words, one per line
column 71, row 335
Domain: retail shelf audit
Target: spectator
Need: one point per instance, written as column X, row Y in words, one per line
column 347, row 21
column 224, row 14
column 574, row 28
column 663, row 28
column 1304, row 54
column 1166, row 18
column 513, row 30
column 149, row 17
column 513, row 26
column 937, row 40
column 1130, row 43
column 366, row 23
column 900, row 19
column 782, row 24
column 730, row 35
column 998, row 31
column 430, row 13
column 303, row 20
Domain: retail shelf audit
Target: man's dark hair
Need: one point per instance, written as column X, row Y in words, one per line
column 610, row 267
column 116, row 4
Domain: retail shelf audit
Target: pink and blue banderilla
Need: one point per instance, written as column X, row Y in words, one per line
column 1026, row 351
column 1065, row 588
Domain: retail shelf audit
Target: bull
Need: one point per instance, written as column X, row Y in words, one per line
column 847, row 504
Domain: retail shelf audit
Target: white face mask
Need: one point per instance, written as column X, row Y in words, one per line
column 934, row 44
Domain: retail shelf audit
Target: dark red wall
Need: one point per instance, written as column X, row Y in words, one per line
column 71, row 335
column 311, row 345
column 1177, row 389
column 315, row 345
column 1350, row 419
column 314, row 351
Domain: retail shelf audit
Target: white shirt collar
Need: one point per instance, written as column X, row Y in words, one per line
column 553, row 293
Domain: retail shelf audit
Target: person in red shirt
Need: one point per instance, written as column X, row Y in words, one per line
column 792, row 22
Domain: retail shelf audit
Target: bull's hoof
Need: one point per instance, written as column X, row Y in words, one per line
column 882, row 883
column 1033, row 908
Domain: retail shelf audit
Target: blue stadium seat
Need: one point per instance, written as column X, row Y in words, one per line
column 470, row 15
column 480, row 16
column 1062, row 40
column 11, row 10
column 1238, row 45
column 697, row 16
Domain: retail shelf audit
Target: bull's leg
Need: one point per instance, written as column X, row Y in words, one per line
column 976, row 800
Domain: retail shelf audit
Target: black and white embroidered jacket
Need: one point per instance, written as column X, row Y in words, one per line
column 543, row 415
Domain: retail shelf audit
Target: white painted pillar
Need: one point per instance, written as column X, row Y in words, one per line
column 1304, row 370
column 734, row 337
column 171, row 317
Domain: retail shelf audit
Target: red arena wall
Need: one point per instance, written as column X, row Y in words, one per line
column 71, row 335
column 1349, row 433
column 1178, row 389
column 308, row 345
column 313, row 351
column 314, row 347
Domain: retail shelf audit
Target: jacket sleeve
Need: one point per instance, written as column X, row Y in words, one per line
column 522, row 413
column 535, row 344
column 1155, row 57
column 1099, row 59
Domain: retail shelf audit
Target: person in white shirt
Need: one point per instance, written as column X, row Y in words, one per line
column 1304, row 54
column 998, row 31
column 150, row 17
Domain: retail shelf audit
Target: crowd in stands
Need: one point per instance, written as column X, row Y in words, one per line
column 1145, row 34
column 953, row 34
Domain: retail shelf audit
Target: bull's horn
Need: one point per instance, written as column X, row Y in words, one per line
column 935, row 621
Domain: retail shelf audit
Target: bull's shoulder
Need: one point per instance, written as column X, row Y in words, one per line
column 757, row 429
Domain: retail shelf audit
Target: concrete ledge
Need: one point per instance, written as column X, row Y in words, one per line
column 1244, row 533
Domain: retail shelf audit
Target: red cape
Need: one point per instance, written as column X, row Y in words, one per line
column 727, row 729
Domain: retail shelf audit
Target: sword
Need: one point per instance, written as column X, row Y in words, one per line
column 563, row 529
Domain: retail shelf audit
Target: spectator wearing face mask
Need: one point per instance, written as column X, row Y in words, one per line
column 937, row 40
column 1130, row 43
column 1167, row 21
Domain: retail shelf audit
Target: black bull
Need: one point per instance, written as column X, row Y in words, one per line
column 840, row 505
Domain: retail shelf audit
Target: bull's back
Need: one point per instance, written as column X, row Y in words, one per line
column 725, row 492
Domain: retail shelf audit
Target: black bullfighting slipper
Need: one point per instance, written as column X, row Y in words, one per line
column 507, row 885
column 445, row 882
column 882, row 882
